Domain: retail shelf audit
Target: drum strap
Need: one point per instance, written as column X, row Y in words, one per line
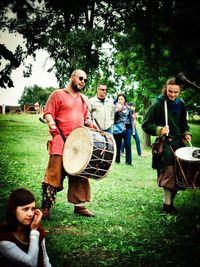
column 86, row 101
column 185, row 179
column 61, row 133
column 88, row 105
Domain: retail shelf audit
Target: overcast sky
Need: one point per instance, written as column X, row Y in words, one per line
column 40, row 76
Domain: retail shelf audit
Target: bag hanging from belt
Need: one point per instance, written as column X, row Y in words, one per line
column 119, row 128
column 157, row 147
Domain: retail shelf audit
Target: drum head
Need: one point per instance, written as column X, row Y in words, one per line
column 185, row 153
column 77, row 151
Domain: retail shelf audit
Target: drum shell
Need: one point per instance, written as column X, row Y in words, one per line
column 187, row 168
column 92, row 152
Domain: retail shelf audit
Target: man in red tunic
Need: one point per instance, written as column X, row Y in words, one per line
column 65, row 110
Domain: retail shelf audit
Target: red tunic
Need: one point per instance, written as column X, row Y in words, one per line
column 68, row 112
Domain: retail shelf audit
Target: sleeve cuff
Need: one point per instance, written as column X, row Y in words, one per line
column 187, row 133
column 158, row 131
column 34, row 234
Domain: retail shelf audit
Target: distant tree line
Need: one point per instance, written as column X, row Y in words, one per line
column 33, row 94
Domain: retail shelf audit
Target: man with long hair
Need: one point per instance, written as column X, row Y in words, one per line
column 175, row 129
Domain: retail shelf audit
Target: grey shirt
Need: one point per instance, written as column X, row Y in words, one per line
column 12, row 252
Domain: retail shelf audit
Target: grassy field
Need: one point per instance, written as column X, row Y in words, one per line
column 128, row 230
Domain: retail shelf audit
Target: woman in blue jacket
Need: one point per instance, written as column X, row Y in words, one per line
column 123, row 128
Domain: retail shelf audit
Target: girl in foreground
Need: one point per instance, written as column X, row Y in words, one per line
column 22, row 239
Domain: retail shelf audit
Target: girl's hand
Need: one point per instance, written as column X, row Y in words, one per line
column 36, row 219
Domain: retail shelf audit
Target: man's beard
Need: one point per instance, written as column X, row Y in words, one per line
column 75, row 87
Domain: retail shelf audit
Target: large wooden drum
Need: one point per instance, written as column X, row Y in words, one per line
column 89, row 153
column 187, row 167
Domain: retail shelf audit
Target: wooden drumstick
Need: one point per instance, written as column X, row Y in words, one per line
column 190, row 143
column 95, row 120
column 42, row 120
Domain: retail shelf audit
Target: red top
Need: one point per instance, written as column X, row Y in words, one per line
column 68, row 112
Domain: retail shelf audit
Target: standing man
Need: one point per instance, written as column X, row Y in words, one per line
column 175, row 129
column 102, row 109
column 65, row 110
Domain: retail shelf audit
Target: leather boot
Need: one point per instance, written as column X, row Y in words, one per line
column 48, row 198
column 82, row 211
column 169, row 209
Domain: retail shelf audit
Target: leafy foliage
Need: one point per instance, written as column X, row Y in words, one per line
column 33, row 94
column 14, row 62
column 157, row 43
column 72, row 32
column 193, row 102
column 148, row 42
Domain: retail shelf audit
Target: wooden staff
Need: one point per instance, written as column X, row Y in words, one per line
column 166, row 115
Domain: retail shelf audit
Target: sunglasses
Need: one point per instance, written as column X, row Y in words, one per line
column 102, row 89
column 81, row 79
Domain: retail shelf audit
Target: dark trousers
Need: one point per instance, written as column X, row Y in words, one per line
column 137, row 141
column 126, row 137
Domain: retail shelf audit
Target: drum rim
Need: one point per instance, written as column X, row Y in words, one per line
column 187, row 148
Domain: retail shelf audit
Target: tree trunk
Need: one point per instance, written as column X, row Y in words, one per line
column 146, row 140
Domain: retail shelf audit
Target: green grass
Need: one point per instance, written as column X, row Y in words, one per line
column 195, row 128
column 128, row 229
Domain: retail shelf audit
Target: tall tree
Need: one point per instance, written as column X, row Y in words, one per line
column 152, row 39
column 71, row 31
column 160, row 39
